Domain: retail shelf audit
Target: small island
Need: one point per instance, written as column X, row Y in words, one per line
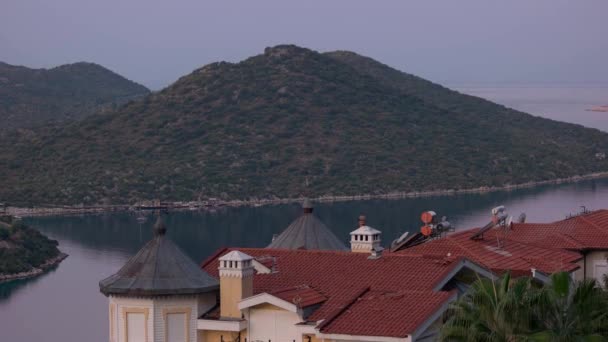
column 25, row 252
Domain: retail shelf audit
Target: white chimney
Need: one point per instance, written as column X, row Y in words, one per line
column 365, row 239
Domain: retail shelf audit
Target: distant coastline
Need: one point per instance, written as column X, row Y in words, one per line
column 215, row 204
column 602, row 109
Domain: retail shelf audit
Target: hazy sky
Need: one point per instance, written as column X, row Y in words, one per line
column 464, row 41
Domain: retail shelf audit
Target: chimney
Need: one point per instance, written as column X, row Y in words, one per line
column 365, row 239
column 236, row 282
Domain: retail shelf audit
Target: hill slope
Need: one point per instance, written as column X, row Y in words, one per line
column 30, row 97
column 292, row 122
column 22, row 248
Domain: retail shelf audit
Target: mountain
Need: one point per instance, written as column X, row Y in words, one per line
column 31, row 97
column 292, row 122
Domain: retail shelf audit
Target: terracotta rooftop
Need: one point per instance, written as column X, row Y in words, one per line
column 499, row 252
column 379, row 309
column 303, row 296
column 399, row 282
column 583, row 232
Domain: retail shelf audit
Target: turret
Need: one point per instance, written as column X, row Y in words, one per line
column 158, row 294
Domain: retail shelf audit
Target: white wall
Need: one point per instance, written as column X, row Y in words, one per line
column 117, row 323
column 156, row 307
column 170, row 304
column 597, row 264
column 273, row 324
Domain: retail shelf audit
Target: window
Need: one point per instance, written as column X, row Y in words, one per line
column 600, row 271
column 135, row 327
column 177, row 324
column 176, row 327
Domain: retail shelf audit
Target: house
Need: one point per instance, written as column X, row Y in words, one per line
column 269, row 294
column 499, row 253
column 578, row 244
column 586, row 234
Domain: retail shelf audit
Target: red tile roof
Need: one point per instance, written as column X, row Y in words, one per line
column 381, row 308
column 583, row 232
column 303, row 296
column 341, row 276
column 515, row 256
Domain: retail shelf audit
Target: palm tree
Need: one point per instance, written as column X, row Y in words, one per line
column 496, row 311
column 571, row 311
column 515, row 310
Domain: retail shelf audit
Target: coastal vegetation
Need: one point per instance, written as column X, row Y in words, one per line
column 287, row 123
column 518, row 310
column 23, row 249
column 32, row 97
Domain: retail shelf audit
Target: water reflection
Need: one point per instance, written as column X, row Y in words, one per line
column 7, row 289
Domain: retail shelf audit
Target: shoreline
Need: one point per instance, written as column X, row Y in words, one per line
column 34, row 272
column 207, row 205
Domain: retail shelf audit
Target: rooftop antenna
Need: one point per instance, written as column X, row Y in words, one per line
column 505, row 225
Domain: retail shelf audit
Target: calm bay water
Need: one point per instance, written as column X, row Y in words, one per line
column 557, row 102
column 65, row 304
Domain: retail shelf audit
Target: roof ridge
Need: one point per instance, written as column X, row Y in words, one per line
column 339, row 311
column 466, row 251
column 592, row 223
column 290, row 288
column 158, row 247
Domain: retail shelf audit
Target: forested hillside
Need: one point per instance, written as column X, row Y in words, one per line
column 292, row 122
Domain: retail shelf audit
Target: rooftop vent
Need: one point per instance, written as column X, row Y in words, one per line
column 376, row 253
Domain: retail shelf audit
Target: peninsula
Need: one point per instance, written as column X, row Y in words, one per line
column 25, row 252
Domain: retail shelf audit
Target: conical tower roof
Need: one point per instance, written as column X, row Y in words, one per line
column 159, row 268
column 307, row 232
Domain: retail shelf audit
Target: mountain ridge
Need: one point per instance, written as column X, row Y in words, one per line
column 32, row 97
column 293, row 122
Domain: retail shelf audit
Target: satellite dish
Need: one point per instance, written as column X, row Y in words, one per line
column 427, row 217
column 498, row 209
column 426, row 230
column 521, row 218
